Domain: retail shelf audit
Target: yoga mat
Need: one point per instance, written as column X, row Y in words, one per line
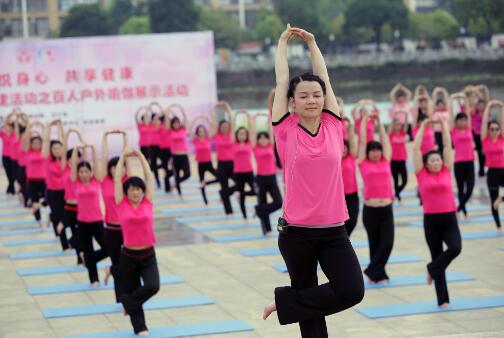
column 40, row 254
column 416, row 204
column 165, row 201
column 407, row 258
column 30, row 241
column 481, row 235
column 86, row 287
column 203, row 208
column 186, row 330
column 19, row 232
column 97, row 309
column 49, row 270
column 275, row 251
column 396, row 310
column 15, row 213
column 241, row 237
column 18, row 223
column 475, row 219
column 234, row 226
column 418, row 280
column 219, row 217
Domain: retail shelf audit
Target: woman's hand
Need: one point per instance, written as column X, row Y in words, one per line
column 304, row 35
column 287, row 35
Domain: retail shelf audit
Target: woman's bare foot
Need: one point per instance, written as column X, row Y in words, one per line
column 60, row 228
column 382, row 281
column 499, row 231
column 269, row 234
column 41, row 225
column 143, row 333
column 429, row 279
column 269, row 309
column 444, row 305
column 107, row 275
column 81, row 255
column 202, row 184
column 69, row 249
column 369, row 281
column 95, row 285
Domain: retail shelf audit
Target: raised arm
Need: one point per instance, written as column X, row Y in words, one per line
column 484, row 91
column 351, row 138
column 384, row 138
column 73, row 163
column 46, row 140
column 280, row 101
column 149, row 178
column 101, row 171
column 447, row 151
column 118, row 187
column 362, row 138
column 271, row 96
column 417, row 146
column 64, row 158
column 199, row 117
column 144, row 110
column 95, row 158
column 486, row 118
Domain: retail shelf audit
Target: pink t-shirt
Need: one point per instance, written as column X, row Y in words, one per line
column 224, row 147
column 265, row 160
column 314, row 192
column 377, row 178
column 348, row 165
column 494, row 152
column 14, row 148
column 22, row 157
column 370, row 127
column 108, row 193
column 399, row 112
column 202, row 150
column 6, row 143
column 165, row 137
column 69, row 185
column 150, row 134
column 35, row 166
column 436, row 191
column 142, row 140
column 54, row 175
column 178, row 141
column 398, row 144
column 155, row 136
column 137, row 224
column 428, row 142
column 476, row 121
column 464, row 145
column 88, row 201
column 444, row 116
column 242, row 157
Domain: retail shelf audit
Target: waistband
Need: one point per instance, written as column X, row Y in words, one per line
column 316, row 231
column 138, row 253
column 70, row 207
column 111, row 226
column 36, row 180
column 320, row 226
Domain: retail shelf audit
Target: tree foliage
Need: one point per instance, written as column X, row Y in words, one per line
column 433, row 26
column 269, row 25
column 86, row 20
column 227, row 32
column 482, row 17
column 172, row 15
column 135, row 25
column 120, row 12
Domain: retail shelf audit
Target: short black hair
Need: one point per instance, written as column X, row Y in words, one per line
column 460, row 116
column 200, row 126
column 53, row 142
column 70, row 151
column 173, row 121
column 438, row 101
column 238, row 130
column 35, row 138
column 493, row 122
column 261, row 134
column 110, row 164
column 373, row 145
column 428, row 154
column 83, row 164
column 133, row 181
column 400, row 93
column 304, row 77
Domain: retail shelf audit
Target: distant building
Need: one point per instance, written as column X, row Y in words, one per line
column 44, row 16
column 251, row 8
column 421, row 6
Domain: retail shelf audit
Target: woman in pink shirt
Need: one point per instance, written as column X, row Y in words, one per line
column 35, row 169
column 400, row 96
column 19, row 130
column 441, row 111
column 138, row 265
column 203, row 155
column 7, row 135
column 357, row 112
column 348, row 170
column 113, row 237
column 398, row 135
column 377, row 214
column 463, row 143
column 179, row 149
column 310, row 144
column 89, row 210
column 477, row 119
column 155, row 134
column 492, row 138
column 142, row 121
column 434, row 179
column 165, row 153
column 266, row 180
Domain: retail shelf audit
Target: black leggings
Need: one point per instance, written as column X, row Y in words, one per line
column 181, row 163
column 438, row 137
column 113, row 241
column 495, row 180
column 202, row 168
column 70, row 221
column 21, row 178
column 379, row 225
column 6, row 162
column 88, row 231
column 153, row 163
column 399, row 170
column 267, row 184
column 441, row 228
column 138, row 265
column 241, row 180
column 165, row 155
column 56, row 201
column 352, row 202
column 464, row 175
column 36, row 192
column 481, row 154
column 305, row 301
column 225, row 173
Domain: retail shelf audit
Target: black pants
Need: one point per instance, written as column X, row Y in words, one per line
column 441, row 228
column 225, row 173
column 165, row 155
column 352, row 202
column 21, row 178
column 145, row 150
column 481, row 154
column 56, row 201
column 379, row 225
column 438, row 137
column 153, row 163
column 6, row 162
column 241, row 180
column 70, row 221
column 305, row 301
column 277, row 158
column 203, row 167
column 14, row 169
column 138, row 265
column 36, row 192
column 399, row 172
column 88, row 231
column 267, row 184
column 495, row 180
column 465, row 177
column 113, row 242
column 181, row 163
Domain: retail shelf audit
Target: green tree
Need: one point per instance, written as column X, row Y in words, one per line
column 433, row 27
column 269, row 25
column 119, row 13
column 135, row 25
column 299, row 14
column 227, row 32
column 373, row 14
column 86, row 20
column 172, row 15
column 486, row 13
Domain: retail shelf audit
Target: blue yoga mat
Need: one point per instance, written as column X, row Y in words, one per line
column 14, row 213
column 407, row 258
column 203, row 208
column 416, row 204
column 19, row 232
column 18, row 223
column 97, row 309
column 40, row 254
column 241, row 237
column 30, row 241
column 397, row 310
column 472, row 220
column 418, row 280
column 186, row 330
column 86, row 287
column 166, row 201
column 481, row 235
column 234, row 226
column 217, row 217
column 49, row 270
column 275, row 251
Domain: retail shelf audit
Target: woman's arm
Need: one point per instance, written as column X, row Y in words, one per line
column 351, row 138
column 362, row 138
column 384, row 138
column 486, row 118
column 73, row 163
column 149, row 179
column 271, row 96
column 101, row 172
column 118, row 187
column 417, row 146
column 280, row 101
column 448, row 150
column 145, row 111
column 252, row 130
column 46, row 140
column 199, row 117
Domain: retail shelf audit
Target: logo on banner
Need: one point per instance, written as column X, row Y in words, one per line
column 23, row 56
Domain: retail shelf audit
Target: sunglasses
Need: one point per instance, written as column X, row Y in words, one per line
column 494, row 129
